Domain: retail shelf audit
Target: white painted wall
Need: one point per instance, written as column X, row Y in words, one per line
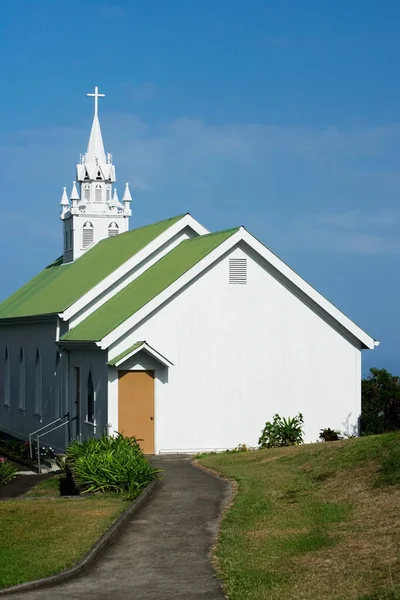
column 243, row 353
column 100, row 222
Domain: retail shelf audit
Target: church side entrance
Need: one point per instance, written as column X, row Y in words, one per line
column 136, row 407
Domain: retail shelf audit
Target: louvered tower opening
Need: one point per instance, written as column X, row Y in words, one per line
column 87, row 235
column 113, row 229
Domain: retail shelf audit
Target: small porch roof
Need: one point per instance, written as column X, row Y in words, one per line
column 138, row 347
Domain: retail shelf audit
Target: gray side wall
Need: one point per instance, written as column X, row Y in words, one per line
column 29, row 337
column 94, row 360
column 58, row 384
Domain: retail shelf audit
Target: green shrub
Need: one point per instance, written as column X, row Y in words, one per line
column 109, row 464
column 240, row 448
column 282, row 432
column 8, row 471
column 329, row 435
column 380, row 402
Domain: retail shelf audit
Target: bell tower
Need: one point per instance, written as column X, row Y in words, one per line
column 93, row 211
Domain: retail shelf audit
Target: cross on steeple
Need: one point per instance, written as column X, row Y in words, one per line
column 96, row 96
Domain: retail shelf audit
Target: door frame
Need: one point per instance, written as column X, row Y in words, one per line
column 153, row 372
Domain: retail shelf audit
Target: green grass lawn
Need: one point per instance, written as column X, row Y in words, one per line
column 41, row 537
column 46, row 488
column 313, row 521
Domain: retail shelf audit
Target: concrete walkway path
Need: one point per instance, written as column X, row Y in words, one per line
column 163, row 554
column 19, row 487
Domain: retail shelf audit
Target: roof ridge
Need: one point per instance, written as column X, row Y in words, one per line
column 180, row 216
column 130, row 231
column 207, row 235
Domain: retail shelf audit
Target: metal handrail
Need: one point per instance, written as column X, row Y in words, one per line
column 43, row 434
column 41, row 429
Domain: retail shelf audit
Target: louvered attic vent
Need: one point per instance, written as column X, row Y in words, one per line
column 238, row 270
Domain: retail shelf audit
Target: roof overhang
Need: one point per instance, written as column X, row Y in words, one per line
column 135, row 349
column 28, row 319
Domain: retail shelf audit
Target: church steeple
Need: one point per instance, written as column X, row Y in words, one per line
column 95, row 164
column 94, row 204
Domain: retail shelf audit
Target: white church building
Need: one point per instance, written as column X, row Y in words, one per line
column 186, row 339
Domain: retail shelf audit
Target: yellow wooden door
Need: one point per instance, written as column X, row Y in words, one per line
column 136, row 407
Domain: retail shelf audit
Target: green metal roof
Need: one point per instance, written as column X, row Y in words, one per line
column 146, row 287
column 58, row 286
column 116, row 360
column 136, row 348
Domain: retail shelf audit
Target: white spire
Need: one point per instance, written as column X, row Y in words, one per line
column 95, row 164
column 127, row 199
column 74, row 192
column 115, row 200
column 127, row 194
column 64, row 198
column 64, row 203
column 95, row 150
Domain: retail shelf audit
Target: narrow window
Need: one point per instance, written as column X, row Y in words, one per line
column 58, row 412
column 87, row 234
column 90, row 399
column 97, row 193
column 7, row 379
column 38, row 385
column 65, row 240
column 77, row 415
column 21, row 381
column 70, row 238
column 86, row 192
column 238, row 271
column 113, row 229
column 108, row 189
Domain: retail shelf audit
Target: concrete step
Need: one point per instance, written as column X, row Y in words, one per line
column 50, row 463
column 44, row 469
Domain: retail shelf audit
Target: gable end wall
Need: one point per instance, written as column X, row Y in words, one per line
column 243, row 353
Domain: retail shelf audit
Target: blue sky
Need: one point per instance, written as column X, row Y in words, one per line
column 282, row 116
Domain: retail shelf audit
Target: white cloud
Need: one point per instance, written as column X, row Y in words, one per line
column 314, row 189
column 146, row 90
column 138, row 183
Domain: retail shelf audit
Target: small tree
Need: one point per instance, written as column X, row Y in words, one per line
column 282, row 432
column 380, row 403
